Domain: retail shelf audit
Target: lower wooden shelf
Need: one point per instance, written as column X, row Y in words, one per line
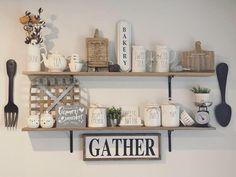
column 119, row 128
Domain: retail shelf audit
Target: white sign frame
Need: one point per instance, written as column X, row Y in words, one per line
column 124, row 45
column 145, row 146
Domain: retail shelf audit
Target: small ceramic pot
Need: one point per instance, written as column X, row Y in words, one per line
column 33, row 121
column 46, row 120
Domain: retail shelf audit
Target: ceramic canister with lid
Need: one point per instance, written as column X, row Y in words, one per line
column 97, row 116
column 170, row 115
column 152, row 115
column 138, row 59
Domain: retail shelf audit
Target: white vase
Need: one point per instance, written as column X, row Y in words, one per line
column 34, row 57
column 202, row 97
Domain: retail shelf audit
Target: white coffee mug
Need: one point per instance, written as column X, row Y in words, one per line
column 164, row 56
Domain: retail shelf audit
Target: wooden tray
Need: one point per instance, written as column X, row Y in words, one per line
column 198, row 59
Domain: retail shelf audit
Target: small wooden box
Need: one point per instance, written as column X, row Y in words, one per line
column 97, row 51
column 198, row 59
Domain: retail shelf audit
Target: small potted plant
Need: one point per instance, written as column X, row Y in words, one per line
column 113, row 116
column 202, row 94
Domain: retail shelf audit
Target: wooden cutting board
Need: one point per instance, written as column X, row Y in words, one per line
column 198, row 59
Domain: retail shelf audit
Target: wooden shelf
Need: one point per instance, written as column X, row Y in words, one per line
column 128, row 74
column 118, row 129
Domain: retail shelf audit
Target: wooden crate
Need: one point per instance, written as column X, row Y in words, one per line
column 198, row 59
column 40, row 101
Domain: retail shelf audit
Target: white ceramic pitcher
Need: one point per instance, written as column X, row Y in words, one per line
column 164, row 56
column 34, row 56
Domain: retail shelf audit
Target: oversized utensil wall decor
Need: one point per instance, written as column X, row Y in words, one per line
column 223, row 110
column 11, row 110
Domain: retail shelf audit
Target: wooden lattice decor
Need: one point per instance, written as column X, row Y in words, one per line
column 46, row 93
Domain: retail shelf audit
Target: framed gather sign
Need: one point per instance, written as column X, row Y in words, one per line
column 141, row 146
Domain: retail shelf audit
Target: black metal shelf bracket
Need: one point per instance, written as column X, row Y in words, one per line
column 170, row 87
column 169, row 140
column 71, row 141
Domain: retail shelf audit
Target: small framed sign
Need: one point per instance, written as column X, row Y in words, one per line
column 70, row 116
column 141, row 146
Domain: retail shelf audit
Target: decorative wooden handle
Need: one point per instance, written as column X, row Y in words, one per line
column 198, row 47
column 96, row 34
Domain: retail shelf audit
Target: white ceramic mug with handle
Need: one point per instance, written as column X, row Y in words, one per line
column 164, row 56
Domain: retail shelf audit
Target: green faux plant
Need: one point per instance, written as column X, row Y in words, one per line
column 199, row 89
column 114, row 113
column 114, row 116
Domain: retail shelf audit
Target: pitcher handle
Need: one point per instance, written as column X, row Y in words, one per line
column 173, row 55
column 44, row 50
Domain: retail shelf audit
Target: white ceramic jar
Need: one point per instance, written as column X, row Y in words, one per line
column 170, row 115
column 152, row 115
column 138, row 59
column 97, row 116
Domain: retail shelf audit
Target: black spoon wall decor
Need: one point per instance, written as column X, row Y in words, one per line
column 223, row 110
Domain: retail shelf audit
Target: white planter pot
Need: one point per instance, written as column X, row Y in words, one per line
column 202, row 97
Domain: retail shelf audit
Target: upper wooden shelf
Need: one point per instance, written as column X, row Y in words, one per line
column 128, row 74
column 128, row 128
